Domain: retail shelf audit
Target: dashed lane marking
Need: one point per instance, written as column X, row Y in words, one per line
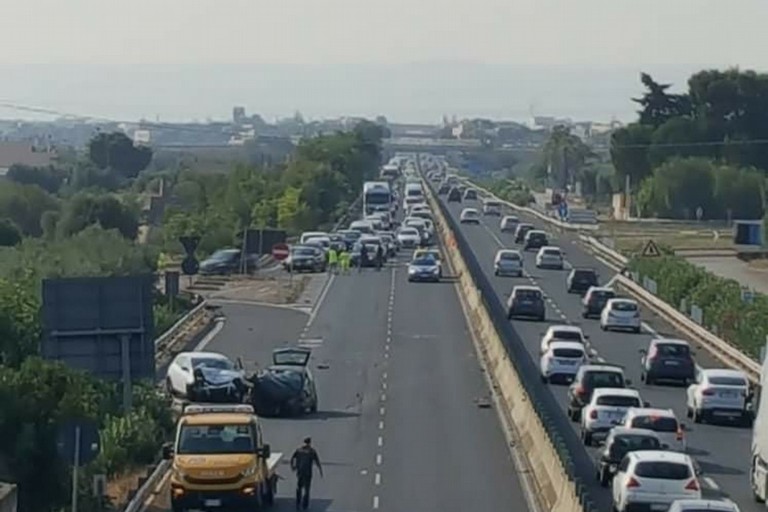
column 381, row 441
column 375, row 503
column 382, row 410
column 377, row 479
column 378, row 459
column 381, row 425
column 711, row 483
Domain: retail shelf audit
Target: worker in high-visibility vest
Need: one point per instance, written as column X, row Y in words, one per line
column 163, row 261
column 333, row 260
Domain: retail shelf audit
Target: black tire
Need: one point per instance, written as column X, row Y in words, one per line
column 270, row 489
column 544, row 380
column 637, row 330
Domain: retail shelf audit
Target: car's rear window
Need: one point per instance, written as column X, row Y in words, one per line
column 619, row 401
column 625, row 306
column 663, row 470
column 629, row 442
column 673, row 350
column 727, row 381
column 568, row 353
column 603, row 295
column 584, row 275
column 528, row 294
column 552, row 252
column 567, row 335
column 605, row 379
column 655, row 423
column 539, row 236
column 509, row 256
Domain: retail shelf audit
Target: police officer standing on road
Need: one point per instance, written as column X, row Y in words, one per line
column 363, row 257
column 333, row 259
column 301, row 462
column 379, row 257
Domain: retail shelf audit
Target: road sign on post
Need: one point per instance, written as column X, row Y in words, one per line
column 189, row 243
column 280, row 251
column 190, row 266
column 651, row 250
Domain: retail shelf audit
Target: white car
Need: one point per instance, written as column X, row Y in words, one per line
column 376, row 222
column 550, row 256
column 309, row 235
column 491, row 207
column 662, row 421
column 562, row 361
column 606, row 410
column 719, row 393
column 509, row 223
column 562, row 333
column 409, row 237
column 620, row 314
column 653, row 480
column 469, row 216
column 689, row 505
column 508, row 262
column 362, row 226
column 205, row 376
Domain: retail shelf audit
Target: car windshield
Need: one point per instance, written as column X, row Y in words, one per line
column 626, row 443
column 672, row 350
column 224, row 255
column 584, row 275
column 727, row 381
column 567, row 335
column 409, row 232
column 425, row 261
column 619, row 401
column 605, row 379
column 212, row 362
column 303, row 251
column 537, row 236
column 601, row 295
column 509, row 256
column 663, row 470
column 218, row 439
column 470, row 213
column 655, row 423
column 568, row 353
column 624, row 306
column 528, row 294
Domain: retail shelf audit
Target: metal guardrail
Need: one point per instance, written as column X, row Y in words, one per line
column 530, row 211
column 721, row 349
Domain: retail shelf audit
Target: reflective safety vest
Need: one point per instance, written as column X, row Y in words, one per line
column 333, row 256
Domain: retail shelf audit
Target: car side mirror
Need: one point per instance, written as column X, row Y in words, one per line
column 265, row 451
column 646, row 404
column 628, row 382
column 167, row 451
column 586, row 336
column 664, row 446
column 239, row 363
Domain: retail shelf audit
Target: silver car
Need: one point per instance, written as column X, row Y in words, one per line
column 508, row 262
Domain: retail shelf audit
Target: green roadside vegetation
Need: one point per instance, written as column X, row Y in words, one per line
column 512, row 190
column 81, row 218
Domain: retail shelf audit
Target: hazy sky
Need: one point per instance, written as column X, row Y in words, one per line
column 196, row 43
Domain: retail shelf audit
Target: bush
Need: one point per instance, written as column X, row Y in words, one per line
column 744, row 325
column 514, row 191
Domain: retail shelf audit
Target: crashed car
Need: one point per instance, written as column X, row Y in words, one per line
column 286, row 388
column 206, row 377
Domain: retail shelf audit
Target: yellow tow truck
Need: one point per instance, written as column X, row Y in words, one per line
column 220, row 461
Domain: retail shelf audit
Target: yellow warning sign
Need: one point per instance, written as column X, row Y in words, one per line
column 651, row 250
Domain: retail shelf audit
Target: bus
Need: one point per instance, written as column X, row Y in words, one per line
column 377, row 197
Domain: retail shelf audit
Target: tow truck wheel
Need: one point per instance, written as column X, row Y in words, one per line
column 270, row 489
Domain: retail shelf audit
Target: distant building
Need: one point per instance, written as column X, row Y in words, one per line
column 238, row 115
column 24, row 153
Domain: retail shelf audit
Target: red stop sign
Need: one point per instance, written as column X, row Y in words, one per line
column 280, row 251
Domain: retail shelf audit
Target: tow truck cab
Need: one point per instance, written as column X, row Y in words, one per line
column 219, row 460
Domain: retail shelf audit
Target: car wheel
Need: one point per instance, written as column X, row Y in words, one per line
column 496, row 273
column 650, row 380
column 544, row 379
column 637, row 330
column 586, row 436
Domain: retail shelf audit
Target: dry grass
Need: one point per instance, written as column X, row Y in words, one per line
column 632, row 236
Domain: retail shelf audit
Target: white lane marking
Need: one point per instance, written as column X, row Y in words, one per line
column 320, row 300
column 711, row 483
column 601, row 359
column 381, row 425
column 383, row 397
column 381, row 441
column 493, row 235
column 378, row 459
column 377, row 479
column 382, row 410
column 209, row 337
column 375, row 503
column 383, row 385
column 647, row 328
column 384, row 376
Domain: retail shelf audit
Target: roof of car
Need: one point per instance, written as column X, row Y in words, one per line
column 217, row 419
column 616, row 392
column 723, row 372
column 601, row 368
column 617, row 300
column 206, row 355
column 537, row 231
column 549, row 247
column 651, row 411
column 510, row 217
column 568, row 328
column 660, row 455
column 618, row 431
column 508, row 251
column 669, row 341
column 601, row 289
column 468, row 210
column 566, row 344
column 525, row 287
column 721, row 505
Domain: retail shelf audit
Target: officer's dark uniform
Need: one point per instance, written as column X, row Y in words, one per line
column 303, row 459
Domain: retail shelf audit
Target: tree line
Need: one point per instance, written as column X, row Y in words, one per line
column 704, row 148
column 80, row 218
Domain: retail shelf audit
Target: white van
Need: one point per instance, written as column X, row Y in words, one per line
column 309, row 235
column 363, row 226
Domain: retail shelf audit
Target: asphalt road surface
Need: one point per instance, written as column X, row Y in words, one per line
column 397, row 427
column 722, row 451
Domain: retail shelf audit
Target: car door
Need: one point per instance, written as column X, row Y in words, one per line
column 618, row 479
column 180, row 373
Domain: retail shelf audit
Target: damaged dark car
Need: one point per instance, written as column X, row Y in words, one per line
column 287, row 387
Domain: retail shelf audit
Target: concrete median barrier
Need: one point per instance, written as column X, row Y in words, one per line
column 554, row 490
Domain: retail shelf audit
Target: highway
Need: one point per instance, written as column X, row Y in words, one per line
column 398, row 427
column 723, row 451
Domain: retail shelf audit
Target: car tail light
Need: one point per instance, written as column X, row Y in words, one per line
column 593, row 414
column 693, row 485
column 707, row 392
column 631, row 483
